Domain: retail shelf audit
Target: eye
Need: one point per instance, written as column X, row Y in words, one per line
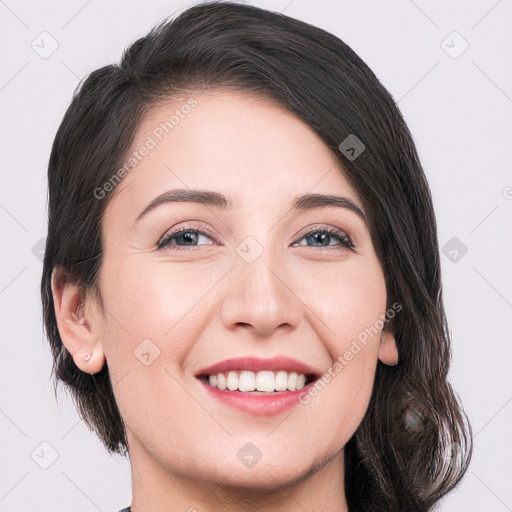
column 324, row 238
column 191, row 237
column 186, row 237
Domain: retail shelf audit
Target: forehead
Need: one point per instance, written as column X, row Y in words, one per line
column 247, row 147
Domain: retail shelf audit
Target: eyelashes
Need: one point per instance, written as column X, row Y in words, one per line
column 191, row 236
column 328, row 234
column 187, row 234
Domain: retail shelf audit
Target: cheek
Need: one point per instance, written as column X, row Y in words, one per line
column 349, row 300
column 155, row 315
column 349, row 305
column 157, row 308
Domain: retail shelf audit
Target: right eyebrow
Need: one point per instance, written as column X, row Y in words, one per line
column 188, row 195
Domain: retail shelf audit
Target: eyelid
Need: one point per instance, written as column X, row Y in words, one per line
column 321, row 227
column 171, row 233
column 307, row 230
column 328, row 228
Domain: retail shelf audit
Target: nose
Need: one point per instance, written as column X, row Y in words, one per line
column 259, row 296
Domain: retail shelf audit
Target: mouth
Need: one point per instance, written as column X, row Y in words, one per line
column 257, row 383
column 258, row 386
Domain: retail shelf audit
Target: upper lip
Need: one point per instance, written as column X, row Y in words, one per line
column 256, row 364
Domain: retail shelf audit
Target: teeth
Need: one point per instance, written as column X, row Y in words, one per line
column 232, row 381
column 266, row 381
column 247, row 381
column 221, row 381
column 292, row 381
column 281, row 381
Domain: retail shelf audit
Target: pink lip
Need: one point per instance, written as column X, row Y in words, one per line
column 268, row 404
column 264, row 404
column 255, row 364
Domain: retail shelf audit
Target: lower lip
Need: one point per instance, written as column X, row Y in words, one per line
column 268, row 404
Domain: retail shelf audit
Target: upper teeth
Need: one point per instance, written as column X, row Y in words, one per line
column 258, row 381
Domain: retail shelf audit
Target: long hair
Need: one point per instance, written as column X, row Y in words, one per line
column 414, row 442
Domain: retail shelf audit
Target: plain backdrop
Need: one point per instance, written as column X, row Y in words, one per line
column 447, row 64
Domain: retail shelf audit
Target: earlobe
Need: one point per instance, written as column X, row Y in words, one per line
column 388, row 352
column 78, row 329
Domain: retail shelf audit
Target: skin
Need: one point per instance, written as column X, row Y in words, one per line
column 204, row 303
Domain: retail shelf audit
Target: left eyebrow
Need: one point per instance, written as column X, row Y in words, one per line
column 309, row 201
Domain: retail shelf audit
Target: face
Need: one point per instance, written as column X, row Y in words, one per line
column 247, row 288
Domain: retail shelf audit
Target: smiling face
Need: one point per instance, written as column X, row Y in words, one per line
column 248, row 270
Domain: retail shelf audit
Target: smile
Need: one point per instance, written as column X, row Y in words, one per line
column 262, row 381
column 258, row 386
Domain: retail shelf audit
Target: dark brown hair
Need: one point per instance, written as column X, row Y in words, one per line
column 414, row 442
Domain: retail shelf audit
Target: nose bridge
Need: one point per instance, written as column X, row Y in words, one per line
column 258, row 293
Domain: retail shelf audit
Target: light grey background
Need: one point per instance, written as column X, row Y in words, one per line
column 459, row 111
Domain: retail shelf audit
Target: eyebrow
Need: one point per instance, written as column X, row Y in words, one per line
column 208, row 197
column 309, row 201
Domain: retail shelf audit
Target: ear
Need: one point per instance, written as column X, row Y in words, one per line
column 77, row 324
column 388, row 353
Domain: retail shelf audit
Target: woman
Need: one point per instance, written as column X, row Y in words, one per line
column 241, row 283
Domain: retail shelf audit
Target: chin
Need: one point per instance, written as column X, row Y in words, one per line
column 264, row 480
column 264, row 476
